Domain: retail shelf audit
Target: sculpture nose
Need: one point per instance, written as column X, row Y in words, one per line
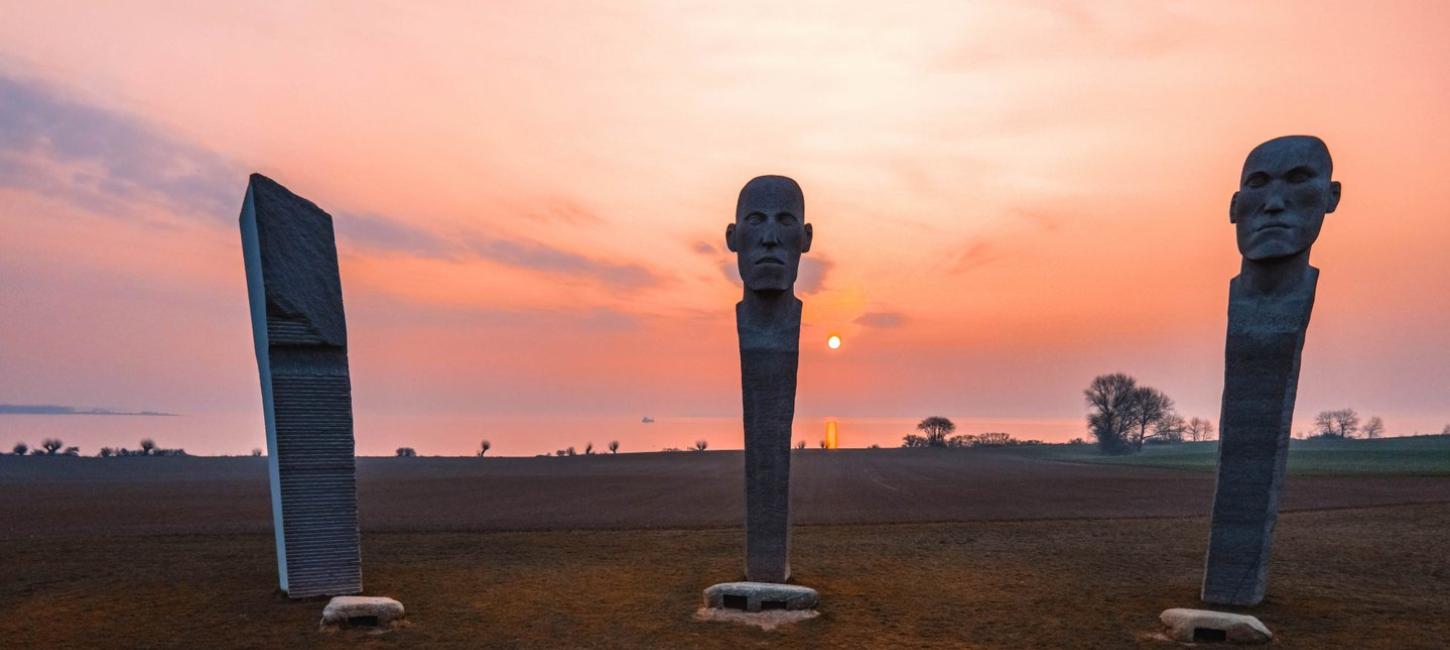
column 770, row 237
column 1274, row 204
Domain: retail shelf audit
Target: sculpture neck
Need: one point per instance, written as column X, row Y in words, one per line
column 1274, row 276
column 769, row 320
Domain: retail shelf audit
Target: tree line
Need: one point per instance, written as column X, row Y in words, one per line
column 1125, row 415
column 55, row 447
column 937, row 431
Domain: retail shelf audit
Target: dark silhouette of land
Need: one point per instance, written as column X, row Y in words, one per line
column 590, row 551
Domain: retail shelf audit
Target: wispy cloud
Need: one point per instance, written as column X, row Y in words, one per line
column 880, row 319
column 541, row 257
column 104, row 160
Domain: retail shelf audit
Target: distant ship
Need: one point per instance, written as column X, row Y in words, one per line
column 647, row 420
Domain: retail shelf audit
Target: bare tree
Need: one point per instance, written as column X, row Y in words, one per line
column 256, row 452
column 147, row 446
column 613, row 446
column 569, row 451
column 51, row 445
column 484, row 446
column 701, row 445
column 1169, row 429
column 935, row 430
column 1146, row 406
column 1445, row 431
column 21, row 448
column 1374, row 428
column 589, row 448
column 1342, row 423
column 1198, row 429
column 105, row 452
column 800, row 444
column 991, row 439
column 406, row 452
column 72, row 451
column 1110, row 397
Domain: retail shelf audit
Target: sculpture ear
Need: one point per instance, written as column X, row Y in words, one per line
column 810, row 232
column 730, row 238
column 1333, row 197
column 1233, row 205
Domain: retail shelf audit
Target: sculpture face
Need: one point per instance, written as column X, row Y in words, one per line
column 769, row 233
column 1284, row 193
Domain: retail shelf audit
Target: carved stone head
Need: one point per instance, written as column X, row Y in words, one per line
column 770, row 233
column 1284, row 193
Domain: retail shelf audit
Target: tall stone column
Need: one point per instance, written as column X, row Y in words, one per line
column 769, row 357
column 1285, row 191
column 1261, row 378
column 300, row 336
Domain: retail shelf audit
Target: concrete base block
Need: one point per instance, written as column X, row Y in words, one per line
column 1202, row 625
column 760, row 596
column 362, row 611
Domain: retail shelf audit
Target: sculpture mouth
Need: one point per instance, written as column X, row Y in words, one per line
column 1273, row 226
column 770, row 260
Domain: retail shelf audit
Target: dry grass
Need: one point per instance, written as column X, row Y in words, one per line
column 1366, row 578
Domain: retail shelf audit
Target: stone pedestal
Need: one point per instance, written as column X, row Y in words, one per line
column 1204, row 626
column 300, row 337
column 362, row 611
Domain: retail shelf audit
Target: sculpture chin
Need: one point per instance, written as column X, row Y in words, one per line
column 1271, row 250
column 768, row 277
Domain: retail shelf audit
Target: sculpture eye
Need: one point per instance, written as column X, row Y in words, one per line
column 1257, row 179
column 786, row 219
column 755, row 218
column 1299, row 175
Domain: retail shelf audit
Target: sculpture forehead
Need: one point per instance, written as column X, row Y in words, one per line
column 774, row 193
column 1287, row 152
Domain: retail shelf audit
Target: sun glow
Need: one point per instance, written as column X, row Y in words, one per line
column 834, row 342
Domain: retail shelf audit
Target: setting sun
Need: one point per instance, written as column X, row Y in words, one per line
column 834, row 342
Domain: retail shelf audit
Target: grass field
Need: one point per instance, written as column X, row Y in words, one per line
column 909, row 548
column 1408, row 456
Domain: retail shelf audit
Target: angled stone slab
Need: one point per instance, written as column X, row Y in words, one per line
column 300, row 336
column 1205, row 626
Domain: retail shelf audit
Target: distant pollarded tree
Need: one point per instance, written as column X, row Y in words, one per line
column 51, row 445
column 1341, row 423
column 37, row 452
column 589, row 448
column 406, row 452
column 569, row 451
column 935, row 430
column 72, row 451
column 1373, row 428
column 1198, row 429
column 483, row 447
column 105, row 452
column 613, row 446
column 21, row 448
column 800, row 444
column 702, row 445
column 1110, row 397
column 147, row 446
column 993, row 439
column 1147, row 406
column 256, row 452
column 1445, row 431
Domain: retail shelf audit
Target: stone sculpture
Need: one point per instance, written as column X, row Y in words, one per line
column 768, row 237
column 301, row 345
column 1284, row 192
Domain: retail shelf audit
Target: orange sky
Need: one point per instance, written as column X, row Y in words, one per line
column 531, row 201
